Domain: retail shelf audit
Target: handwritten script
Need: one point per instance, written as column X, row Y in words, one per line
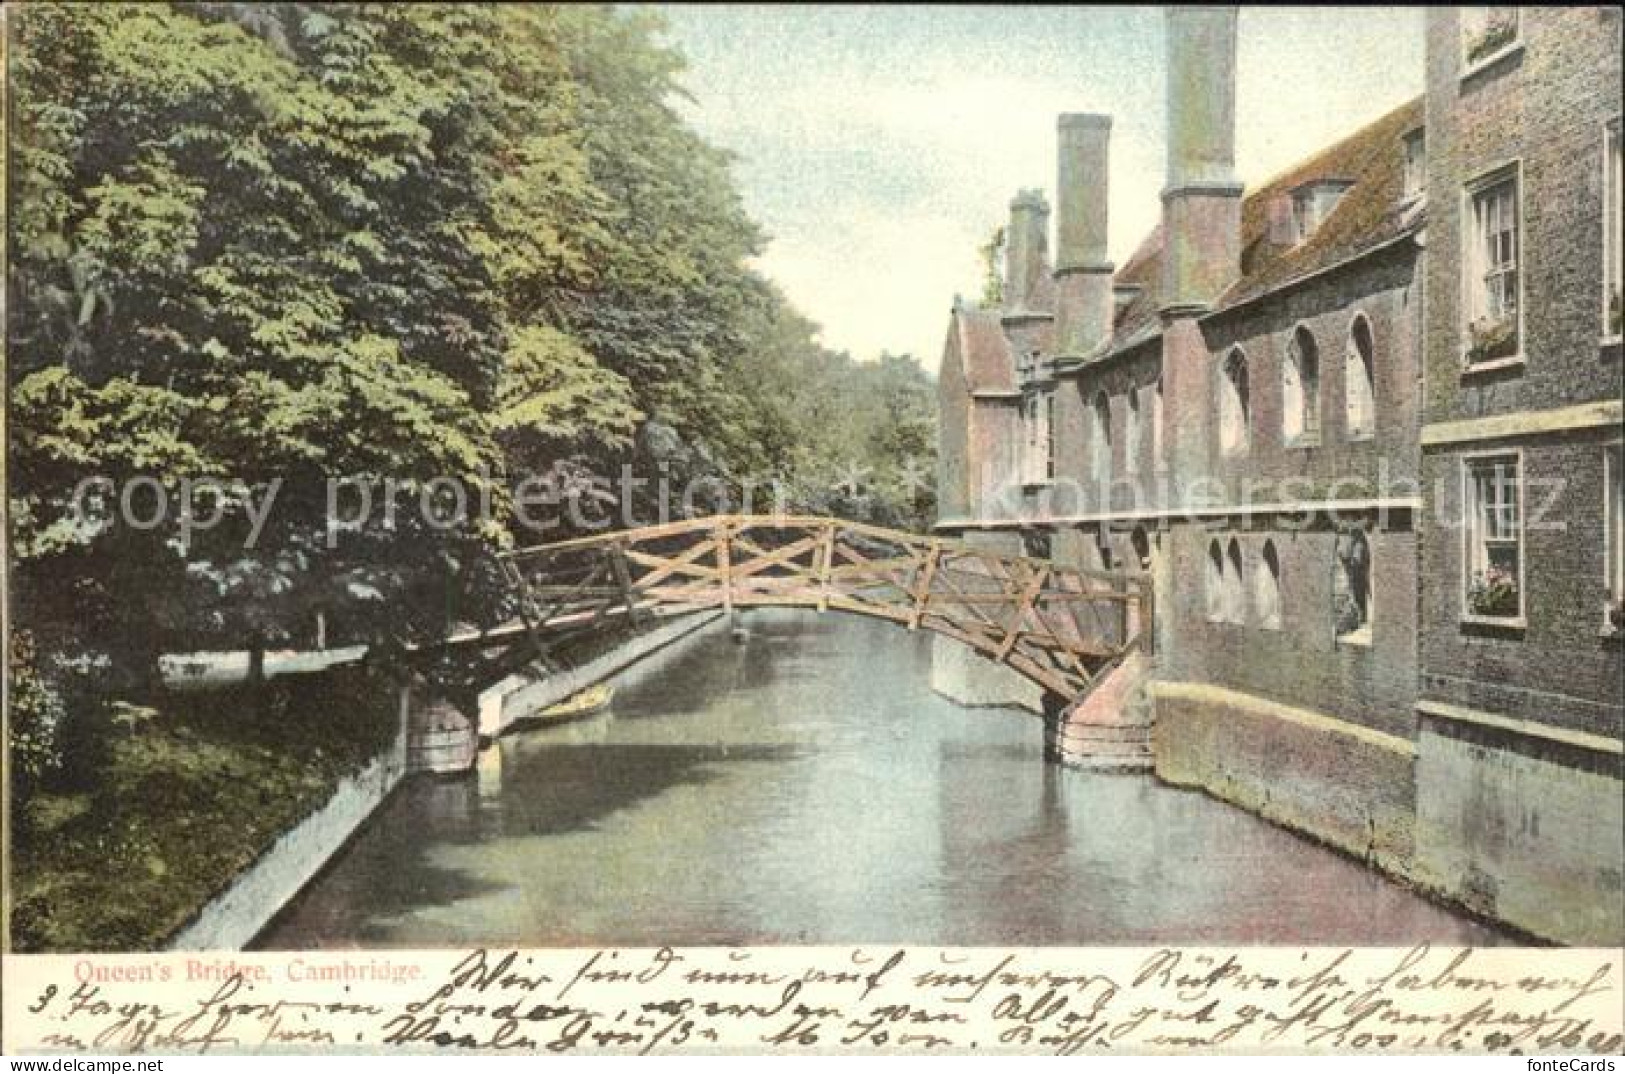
column 872, row 999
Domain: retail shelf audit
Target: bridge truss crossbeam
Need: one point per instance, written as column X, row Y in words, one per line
column 1062, row 627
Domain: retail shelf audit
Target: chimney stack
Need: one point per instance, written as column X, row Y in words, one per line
column 1083, row 276
column 1201, row 205
column 1026, row 243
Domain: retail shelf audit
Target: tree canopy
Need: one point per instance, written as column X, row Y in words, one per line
column 259, row 247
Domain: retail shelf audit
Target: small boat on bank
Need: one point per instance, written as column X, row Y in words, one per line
column 588, row 702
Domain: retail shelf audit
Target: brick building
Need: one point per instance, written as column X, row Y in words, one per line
column 1363, row 426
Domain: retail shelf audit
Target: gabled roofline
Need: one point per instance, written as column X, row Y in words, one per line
column 1297, row 281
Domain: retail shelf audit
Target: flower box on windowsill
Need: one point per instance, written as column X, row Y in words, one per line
column 1491, row 341
column 1494, row 624
column 1495, row 40
column 1494, row 596
column 1613, row 620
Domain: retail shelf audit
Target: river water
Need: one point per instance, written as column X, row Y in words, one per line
column 805, row 786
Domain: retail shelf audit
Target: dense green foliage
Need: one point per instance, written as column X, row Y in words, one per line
column 255, row 248
column 187, row 797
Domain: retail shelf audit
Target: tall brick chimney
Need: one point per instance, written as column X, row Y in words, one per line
column 1025, row 252
column 1201, row 204
column 1083, row 276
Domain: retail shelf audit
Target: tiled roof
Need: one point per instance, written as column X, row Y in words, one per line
column 1143, row 270
column 1368, row 215
column 984, row 352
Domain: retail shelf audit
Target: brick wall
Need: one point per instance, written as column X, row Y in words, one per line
column 1323, row 733
column 1561, row 666
column 1544, row 107
column 1352, row 790
column 1383, row 289
column 1077, row 491
column 1301, row 663
column 1519, row 770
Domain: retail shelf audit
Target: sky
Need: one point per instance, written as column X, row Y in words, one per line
column 880, row 146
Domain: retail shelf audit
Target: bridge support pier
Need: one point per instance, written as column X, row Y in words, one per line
column 1109, row 730
column 439, row 738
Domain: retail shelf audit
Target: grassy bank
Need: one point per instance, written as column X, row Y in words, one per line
column 191, row 793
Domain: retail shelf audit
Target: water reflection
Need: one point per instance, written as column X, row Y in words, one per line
column 806, row 786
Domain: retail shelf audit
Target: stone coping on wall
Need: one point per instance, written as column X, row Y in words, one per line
column 1583, row 740
column 232, row 919
column 1205, row 692
column 1598, row 415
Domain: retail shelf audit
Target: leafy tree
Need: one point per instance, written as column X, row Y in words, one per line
column 417, row 250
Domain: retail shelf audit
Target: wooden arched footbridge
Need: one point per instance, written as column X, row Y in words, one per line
column 1063, row 628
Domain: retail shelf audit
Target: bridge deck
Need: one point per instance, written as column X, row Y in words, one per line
column 1061, row 627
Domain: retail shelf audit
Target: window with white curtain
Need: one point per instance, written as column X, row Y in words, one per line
column 1492, row 279
column 1493, row 583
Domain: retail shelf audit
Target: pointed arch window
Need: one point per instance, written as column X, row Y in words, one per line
column 1235, row 601
column 1267, row 588
column 1359, row 391
column 1351, row 588
column 1235, row 405
column 1300, row 390
column 1159, row 435
column 1131, row 432
column 1049, row 436
column 1213, row 589
column 1101, row 449
column 1140, row 541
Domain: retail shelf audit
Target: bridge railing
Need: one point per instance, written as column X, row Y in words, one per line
column 1063, row 627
